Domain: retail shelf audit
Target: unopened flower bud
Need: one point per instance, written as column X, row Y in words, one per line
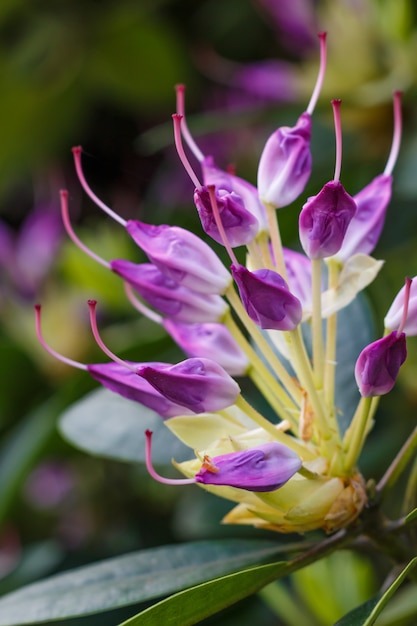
column 285, row 163
column 239, row 224
column 267, row 299
column 127, row 383
column 201, row 385
column 225, row 181
column 379, row 363
column 324, row 220
column 167, row 296
column 264, row 468
column 181, row 256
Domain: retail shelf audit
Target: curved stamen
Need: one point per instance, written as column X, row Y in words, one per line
column 407, row 291
column 396, row 137
column 215, row 208
column 180, row 91
column 338, row 131
column 76, row 151
column 321, row 74
column 93, row 321
column 140, row 306
column 50, row 350
column 180, row 149
column 153, row 473
column 67, row 224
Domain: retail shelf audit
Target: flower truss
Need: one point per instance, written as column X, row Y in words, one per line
column 293, row 470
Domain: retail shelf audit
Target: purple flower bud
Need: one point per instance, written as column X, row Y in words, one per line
column 379, row 363
column 366, row 225
column 167, row 296
column 395, row 316
column 128, row 384
column 201, row 385
column 240, row 225
column 225, row 181
column 324, row 220
column 267, row 299
column 181, row 256
column 264, row 468
column 285, row 163
column 211, row 341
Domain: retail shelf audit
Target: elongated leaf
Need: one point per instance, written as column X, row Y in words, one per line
column 129, row 579
column 367, row 613
column 192, row 605
column 105, row 424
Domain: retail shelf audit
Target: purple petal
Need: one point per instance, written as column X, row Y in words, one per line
column 393, row 318
column 298, row 268
column 267, row 299
column 365, row 228
column 240, row 225
column 225, row 181
column 285, row 163
column 181, row 256
column 379, row 363
column 211, row 341
column 264, row 468
column 167, row 296
column 128, row 384
column 199, row 384
column 324, row 219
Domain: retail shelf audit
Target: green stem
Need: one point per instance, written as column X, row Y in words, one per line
column 331, row 337
column 272, row 430
column 264, row 347
column 318, row 350
column 354, row 436
column 398, row 465
column 266, row 382
column 327, row 435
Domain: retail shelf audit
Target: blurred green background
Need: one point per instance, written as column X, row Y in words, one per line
column 101, row 73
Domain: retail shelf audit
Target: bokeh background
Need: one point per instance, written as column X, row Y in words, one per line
column 101, row 74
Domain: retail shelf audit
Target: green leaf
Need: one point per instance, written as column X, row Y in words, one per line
column 367, row 613
column 192, row 605
column 105, row 424
column 135, row 577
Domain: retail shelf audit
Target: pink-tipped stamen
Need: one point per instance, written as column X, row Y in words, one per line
column 76, row 151
column 152, row 471
column 68, row 227
column 216, row 213
column 177, row 119
column 321, row 74
column 407, row 291
column 47, row 348
column 93, row 322
column 396, row 137
column 189, row 140
column 140, row 306
column 336, row 104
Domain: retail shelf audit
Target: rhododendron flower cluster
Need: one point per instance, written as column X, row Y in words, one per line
column 293, row 468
